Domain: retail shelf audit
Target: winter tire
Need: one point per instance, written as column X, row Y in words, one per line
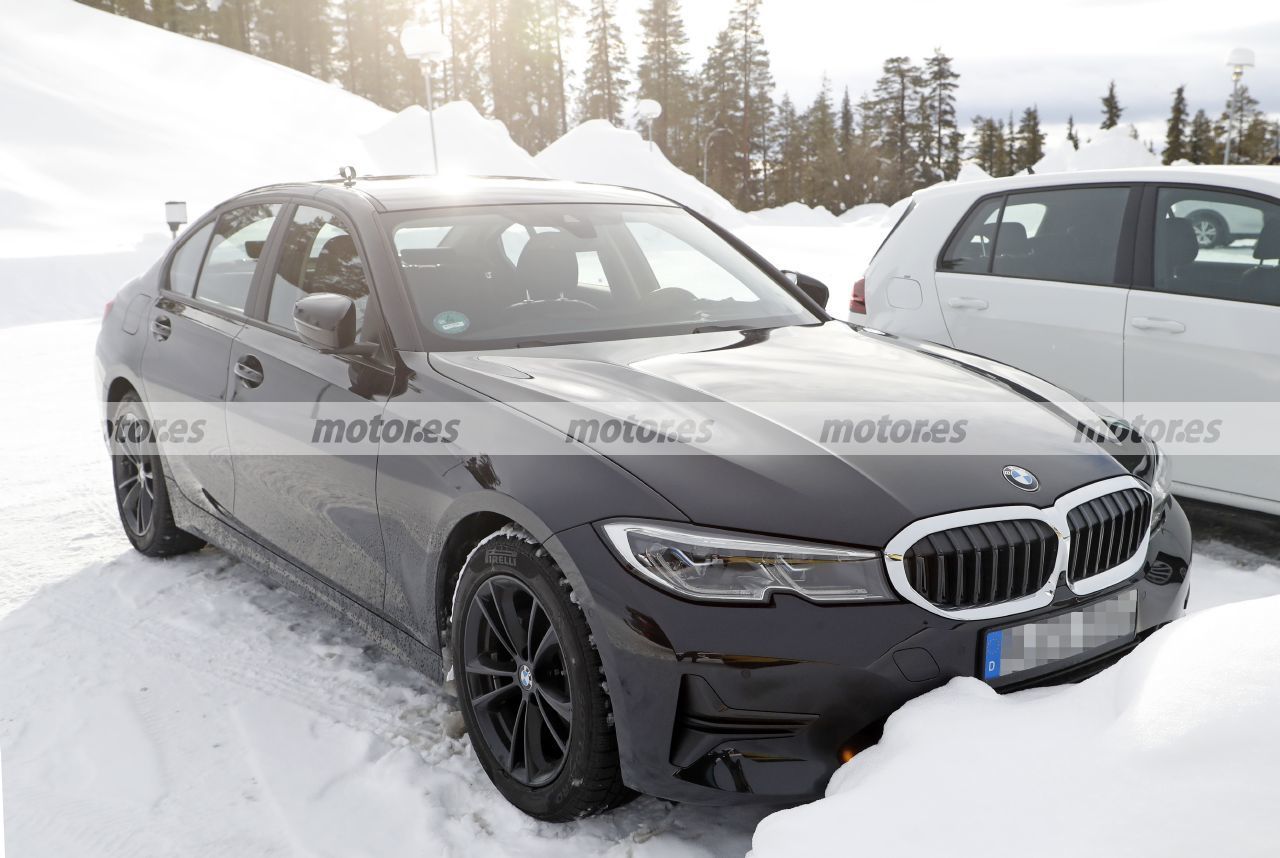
column 142, row 496
column 531, row 686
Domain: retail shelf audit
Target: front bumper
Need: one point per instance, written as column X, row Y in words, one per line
column 719, row 704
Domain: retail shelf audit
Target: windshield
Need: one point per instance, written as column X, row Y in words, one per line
column 527, row 275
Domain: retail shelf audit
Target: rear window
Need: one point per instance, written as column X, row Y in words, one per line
column 1068, row 234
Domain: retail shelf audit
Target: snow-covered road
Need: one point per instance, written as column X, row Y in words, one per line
column 191, row 707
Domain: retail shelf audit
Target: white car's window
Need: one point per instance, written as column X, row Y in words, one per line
column 970, row 247
column 1074, row 235
column 238, row 241
column 1217, row 244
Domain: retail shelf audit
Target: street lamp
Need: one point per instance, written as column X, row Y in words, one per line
column 648, row 110
column 1238, row 60
column 706, row 150
column 426, row 45
column 175, row 213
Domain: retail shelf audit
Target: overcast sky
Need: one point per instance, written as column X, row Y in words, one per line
column 1014, row 53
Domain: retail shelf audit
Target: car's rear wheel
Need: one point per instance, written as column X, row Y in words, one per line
column 142, row 496
column 531, row 687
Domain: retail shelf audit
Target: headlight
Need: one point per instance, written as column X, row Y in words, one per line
column 1161, row 478
column 716, row 566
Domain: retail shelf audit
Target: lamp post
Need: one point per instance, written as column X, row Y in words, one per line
column 706, row 150
column 1238, row 60
column 648, row 110
column 426, row 45
column 175, row 214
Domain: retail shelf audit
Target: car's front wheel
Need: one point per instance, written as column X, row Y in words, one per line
column 142, row 497
column 530, row 685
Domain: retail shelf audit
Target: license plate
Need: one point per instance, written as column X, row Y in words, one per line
column 1095, row 628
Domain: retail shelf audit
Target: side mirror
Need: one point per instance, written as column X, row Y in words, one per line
column 815, row 289
column 328, row 322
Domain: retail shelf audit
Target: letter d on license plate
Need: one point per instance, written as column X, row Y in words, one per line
column 1091, row 630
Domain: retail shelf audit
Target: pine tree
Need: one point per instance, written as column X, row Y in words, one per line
column 755, row 100
column 605, row 83
column 821, row 175
column 663, row 75
column 1072, row 136
column 1175, row 142
column 891, row 124
column 1030, row 140
column 1111, row 108
column 719, row 114
column 941, row 138
column 1235, row 121
column 788, row 158
column 989, row 150
column 1202, row 145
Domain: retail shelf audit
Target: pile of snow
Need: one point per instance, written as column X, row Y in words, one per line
column 971, row 172
column 1114, row 148
column 866, row 210
column 1172, row 752
column 469, row 144
column 106, row 118
column 792, row 214
column 596, row 151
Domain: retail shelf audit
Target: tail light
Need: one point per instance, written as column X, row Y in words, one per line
column 858, row 303
column 106, row 311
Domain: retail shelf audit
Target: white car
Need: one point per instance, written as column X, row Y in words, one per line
column 1101, row 283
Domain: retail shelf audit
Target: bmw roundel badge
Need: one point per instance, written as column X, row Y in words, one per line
column 1022, row 478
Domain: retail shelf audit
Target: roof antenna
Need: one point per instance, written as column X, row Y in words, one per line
column 348, row 175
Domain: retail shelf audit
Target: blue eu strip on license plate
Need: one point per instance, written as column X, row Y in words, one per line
column 1096, row 627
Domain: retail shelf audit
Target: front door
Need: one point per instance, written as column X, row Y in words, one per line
column 311, row 498
column 1209, row 332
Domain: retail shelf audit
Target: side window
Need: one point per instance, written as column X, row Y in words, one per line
column 1216, row 244
column 970, row 248
column 319, row 255
column 1071, row 234
column 237, row 244
column 186, row 262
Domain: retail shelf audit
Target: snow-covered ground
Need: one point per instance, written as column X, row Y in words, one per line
column 192, row 707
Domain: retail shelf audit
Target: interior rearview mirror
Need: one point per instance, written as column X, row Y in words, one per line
column 814, row 288
column 328, row 322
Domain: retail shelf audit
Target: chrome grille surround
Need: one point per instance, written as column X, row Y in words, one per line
column 1055, row 516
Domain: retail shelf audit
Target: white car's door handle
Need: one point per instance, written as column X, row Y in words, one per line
column 967, row 303
column 1144, row 323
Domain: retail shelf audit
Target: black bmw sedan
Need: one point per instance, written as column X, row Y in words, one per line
column 664, row 525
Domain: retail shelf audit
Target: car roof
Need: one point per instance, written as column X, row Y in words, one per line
column 1261, row 179
column 403, row 193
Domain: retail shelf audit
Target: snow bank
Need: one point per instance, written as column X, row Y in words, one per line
column 792, row 214
column 865, row 210
column 596, row 151
column 1173, row 752
column 469, row 144
column 1113, row 148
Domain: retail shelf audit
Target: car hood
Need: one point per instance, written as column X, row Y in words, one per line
column 744, row 380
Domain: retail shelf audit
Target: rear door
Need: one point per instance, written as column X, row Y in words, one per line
column 1207, row 330
column 1038, row 279
column 311, row 498
column 191, row 326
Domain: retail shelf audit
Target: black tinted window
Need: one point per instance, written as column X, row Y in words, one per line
column 319, row 255
column 970, row 248
column 186, row 262
column 1072, row 234
column 1216, row 244
column 238, row 241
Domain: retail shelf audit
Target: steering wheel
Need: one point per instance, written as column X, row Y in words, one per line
column 670, row 296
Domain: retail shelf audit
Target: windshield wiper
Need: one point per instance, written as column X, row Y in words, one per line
column 529, row 344
column 712, row 329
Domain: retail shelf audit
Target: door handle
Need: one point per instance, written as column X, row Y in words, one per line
column 968, row 303
column 1144, row 323
column 161, row 328
column 249, row 371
